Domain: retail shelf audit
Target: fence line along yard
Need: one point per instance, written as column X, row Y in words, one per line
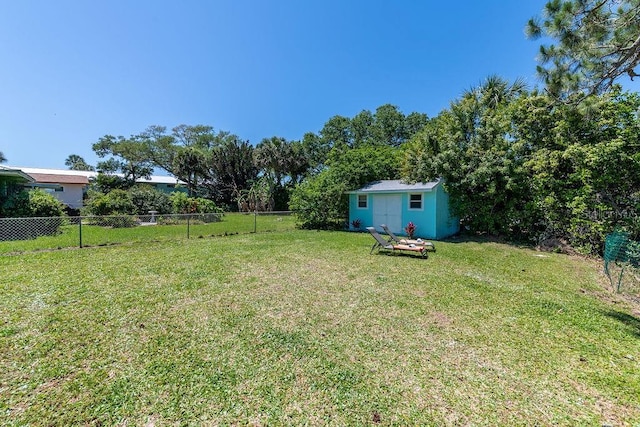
column 29, row 234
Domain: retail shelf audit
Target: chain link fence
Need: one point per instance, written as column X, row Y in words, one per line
column 30, row 234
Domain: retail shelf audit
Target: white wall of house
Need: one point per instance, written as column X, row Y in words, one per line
column 70, row 195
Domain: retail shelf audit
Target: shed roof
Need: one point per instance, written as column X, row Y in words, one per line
column 396, row 186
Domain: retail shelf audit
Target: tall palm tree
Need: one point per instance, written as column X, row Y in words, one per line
column 77, row 163
column 494, row 91
column 190, row 165
column 272, row 156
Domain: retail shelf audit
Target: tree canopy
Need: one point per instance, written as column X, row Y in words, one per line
column 124, row 156
column 521, row 165
column 470, row 146
column 596, row 42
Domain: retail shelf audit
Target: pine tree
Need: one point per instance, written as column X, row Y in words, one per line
column 597, row 42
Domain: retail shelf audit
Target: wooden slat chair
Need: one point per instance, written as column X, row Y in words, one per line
column 396, row 239
column 382, row 244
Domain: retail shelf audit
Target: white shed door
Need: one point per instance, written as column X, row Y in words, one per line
column 387, row 209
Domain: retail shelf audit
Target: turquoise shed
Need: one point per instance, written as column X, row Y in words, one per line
column 395, row 203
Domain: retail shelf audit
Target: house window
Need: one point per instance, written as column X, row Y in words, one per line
column 59, row 189
column 362, row 201
column 415, row 201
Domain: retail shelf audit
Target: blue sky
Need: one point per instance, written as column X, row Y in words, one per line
column 74, row 71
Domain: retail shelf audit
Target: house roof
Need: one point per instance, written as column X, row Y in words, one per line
column 158, row 179
column 396, row 186
column 60, row 178
column 15, row 173
column 62, row 173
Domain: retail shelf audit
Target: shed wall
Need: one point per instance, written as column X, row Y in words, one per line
column 447, row 225
column 433, row 221
column 424, row 219
column 365, row 215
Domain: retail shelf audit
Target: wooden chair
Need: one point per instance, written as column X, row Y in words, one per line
column 382, row 244
column 396, row 239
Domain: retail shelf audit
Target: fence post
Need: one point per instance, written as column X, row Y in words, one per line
column 188, row 224
column 80, row 229
column 255, row 221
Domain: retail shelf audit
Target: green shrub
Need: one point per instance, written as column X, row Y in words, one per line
column 146, row 198
column 43, row 204
column 16, row 206
column 183, row 204
column 34, row 203
column 633, row 253
column 320, row 202
column 206, row 206
column 116, row 202
column 46, row 213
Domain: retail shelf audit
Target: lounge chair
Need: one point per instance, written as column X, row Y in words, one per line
column 382, row 244
column 417, row 242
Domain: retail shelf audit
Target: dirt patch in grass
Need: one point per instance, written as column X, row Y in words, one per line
column 440, row 319
column 556, row 245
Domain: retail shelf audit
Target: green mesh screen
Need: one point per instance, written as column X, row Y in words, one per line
column 621, row 251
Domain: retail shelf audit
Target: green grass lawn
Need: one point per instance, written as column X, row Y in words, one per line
column 305, row 327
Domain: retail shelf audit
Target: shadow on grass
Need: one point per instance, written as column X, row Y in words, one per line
column 486, row 238
column 631, row 321
column 401, row 254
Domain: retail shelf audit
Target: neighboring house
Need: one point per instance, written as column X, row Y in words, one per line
column 166, row 184
column 69, row 186
column 395, row 204
column 12, row 180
